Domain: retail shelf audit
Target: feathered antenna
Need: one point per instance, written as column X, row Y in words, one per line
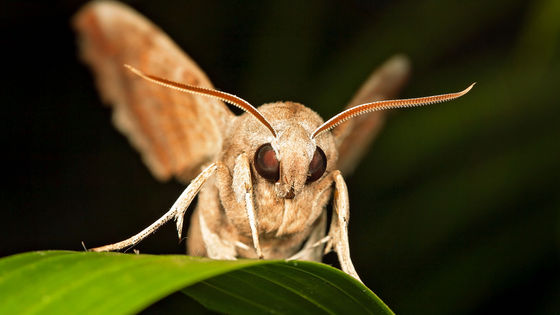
column 222, row 96
column 382, row 105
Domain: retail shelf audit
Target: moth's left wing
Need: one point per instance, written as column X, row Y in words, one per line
column 354, row 136
column 175, row 133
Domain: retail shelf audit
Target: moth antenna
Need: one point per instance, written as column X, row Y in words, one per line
column 222, row 96
column 383, row 105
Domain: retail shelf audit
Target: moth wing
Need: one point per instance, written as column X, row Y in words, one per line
column 354, row 136
column 175, row 133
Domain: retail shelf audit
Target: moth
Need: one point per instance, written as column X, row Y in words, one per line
column 264, row 178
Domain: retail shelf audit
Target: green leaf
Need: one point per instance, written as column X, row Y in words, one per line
column 99, row 283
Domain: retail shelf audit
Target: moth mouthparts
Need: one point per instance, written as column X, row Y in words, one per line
column 290, row 194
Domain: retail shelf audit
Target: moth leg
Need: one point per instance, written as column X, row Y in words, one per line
column 177, row 211
column 339, row 226
column 243, row 189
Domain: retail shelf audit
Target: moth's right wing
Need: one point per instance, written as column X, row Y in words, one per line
column 354, row 136
column 176, row 133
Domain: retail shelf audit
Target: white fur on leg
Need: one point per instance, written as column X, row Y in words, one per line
column 339, row 225
column 243, row 188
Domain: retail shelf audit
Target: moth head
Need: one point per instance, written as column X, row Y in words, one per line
column 292, row 160
column 289, row 162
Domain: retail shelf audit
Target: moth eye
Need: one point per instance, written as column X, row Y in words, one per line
column 317, row 166
column 266, row 163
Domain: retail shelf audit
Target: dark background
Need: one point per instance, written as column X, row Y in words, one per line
column 455, row 208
